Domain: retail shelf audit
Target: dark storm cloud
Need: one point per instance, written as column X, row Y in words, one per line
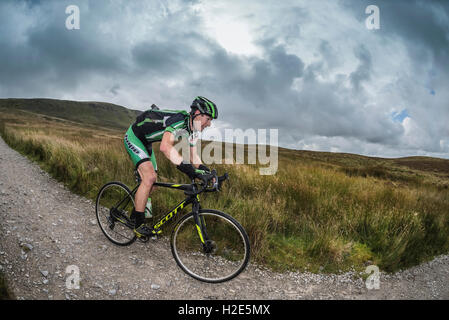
column 331, row 58
column 74, row 54
column 49, row 52
column 267, row 84
column 423, row 25
column 333, row 110
column 162, row 58
column 178, row 53
column 363, row 71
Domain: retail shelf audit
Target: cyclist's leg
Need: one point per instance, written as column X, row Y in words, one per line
column 153, row 161
column 148, row 173
column 136, row 148
column 143, row 159
column 148, row 176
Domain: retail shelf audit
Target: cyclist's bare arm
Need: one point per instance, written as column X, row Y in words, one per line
column 195, row 160
column 168, row 149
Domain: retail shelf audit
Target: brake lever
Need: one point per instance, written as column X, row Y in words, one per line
column 215, row 176
column 220, row 180
column 216, row 185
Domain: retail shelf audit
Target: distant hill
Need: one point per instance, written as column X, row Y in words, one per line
column 90, row 113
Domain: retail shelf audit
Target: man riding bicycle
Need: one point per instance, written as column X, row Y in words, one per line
column 166, row 126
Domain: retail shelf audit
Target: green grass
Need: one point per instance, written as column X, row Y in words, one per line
column 321, row 212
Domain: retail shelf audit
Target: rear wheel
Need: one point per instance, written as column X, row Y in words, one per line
column 113, row 208
column 217, row 256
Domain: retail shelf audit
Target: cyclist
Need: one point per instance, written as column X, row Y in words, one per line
column 166, row 126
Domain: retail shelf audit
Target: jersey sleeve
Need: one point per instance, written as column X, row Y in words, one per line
column 176, row 127
column 179, row 131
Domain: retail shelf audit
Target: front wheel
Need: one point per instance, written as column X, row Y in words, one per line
column 218, row 254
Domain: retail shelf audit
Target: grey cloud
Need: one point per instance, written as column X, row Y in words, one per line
column 114, row 89
column 422, row 27
column 331, row 58
column 332, row 112
column 325, row 109
column 363, row 71
column 267, row 84
column 162, row 58
column 52, row 54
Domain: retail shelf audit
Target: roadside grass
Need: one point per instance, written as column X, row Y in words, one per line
column 320, row 212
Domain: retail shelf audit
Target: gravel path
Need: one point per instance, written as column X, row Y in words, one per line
column 45, row 230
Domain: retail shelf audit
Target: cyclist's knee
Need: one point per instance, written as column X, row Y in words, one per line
column 147, row 174
column 149, row 180
column 147, row 183
column 153, row 188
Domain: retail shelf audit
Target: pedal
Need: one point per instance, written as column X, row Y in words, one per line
column 156, row 232
column 143, row 239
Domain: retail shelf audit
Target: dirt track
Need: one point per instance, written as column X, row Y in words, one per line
column 44, row 229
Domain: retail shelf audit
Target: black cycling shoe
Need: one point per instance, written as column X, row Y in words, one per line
column 142, row 231
column 133, row 217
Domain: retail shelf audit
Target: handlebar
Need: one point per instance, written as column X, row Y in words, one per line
column 206, row 178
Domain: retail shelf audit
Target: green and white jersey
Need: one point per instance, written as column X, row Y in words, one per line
column 151, row 125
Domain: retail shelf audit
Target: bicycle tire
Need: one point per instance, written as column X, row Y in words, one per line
column 226, row 252
column 102, row 212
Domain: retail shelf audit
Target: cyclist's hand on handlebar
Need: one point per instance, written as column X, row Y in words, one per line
column 188, row 169
column 203, row 167
column 215, row 179
column 193, row 172
column 208, row 171
column 205, row 176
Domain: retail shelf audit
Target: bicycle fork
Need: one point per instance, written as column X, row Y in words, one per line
column 201, row 228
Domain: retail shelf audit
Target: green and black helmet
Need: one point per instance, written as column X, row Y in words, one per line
column 205, row 106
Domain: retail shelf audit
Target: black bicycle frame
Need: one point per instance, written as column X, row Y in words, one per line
column 192, row 198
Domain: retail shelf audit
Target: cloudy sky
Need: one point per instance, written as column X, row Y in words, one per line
column 311, row 69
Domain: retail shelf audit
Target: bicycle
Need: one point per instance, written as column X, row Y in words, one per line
column 207, row 244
